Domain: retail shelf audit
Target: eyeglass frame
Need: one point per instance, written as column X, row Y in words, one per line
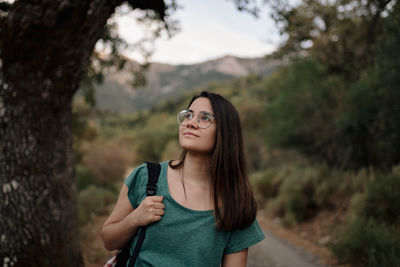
column 198, row 118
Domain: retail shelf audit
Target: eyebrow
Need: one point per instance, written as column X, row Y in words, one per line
column 202, row 111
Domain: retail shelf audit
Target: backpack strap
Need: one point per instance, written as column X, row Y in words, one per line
column 123, row 255
column 154, row 172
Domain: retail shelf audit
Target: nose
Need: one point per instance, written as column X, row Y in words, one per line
column 192, row 122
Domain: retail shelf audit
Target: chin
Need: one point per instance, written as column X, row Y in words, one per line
column 196, row 150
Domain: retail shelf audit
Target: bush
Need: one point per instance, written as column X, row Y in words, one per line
column 368, row 243
column 84, row 177
column 172, row 150
column 372, row 236
column 298, row 193
column 330, row 184
column 324, row 115
column 255, row 153
column 107, row 162
column 302, row 107
column 265, row 183
column 382, row 202
column 298, row 190
column 94, row 201
column 357, row 204
column 266, row 186
column 154, row 137
column 276, row 207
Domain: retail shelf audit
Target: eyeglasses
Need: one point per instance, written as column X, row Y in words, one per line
column 204, row 118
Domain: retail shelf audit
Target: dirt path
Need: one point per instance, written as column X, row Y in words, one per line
column 286, row 248
column 276, row 252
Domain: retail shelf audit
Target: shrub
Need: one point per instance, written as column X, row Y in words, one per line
column 297, row 191
column 94, row 201
column 154, row 137
column 368, row 243
column 357, row 204
column 172, row 150
column 302, row 108
column 265, row 183
column 107, row 162
column 301, row 192
column 84, row 177
column 276, row 207
column 329, row 184
column 255, row 153
column 382, row 202
column 372, row 236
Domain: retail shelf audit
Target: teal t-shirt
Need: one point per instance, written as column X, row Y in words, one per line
column 184, row 237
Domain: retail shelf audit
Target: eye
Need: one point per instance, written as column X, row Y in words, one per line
column 205, row 117
column 188, row 115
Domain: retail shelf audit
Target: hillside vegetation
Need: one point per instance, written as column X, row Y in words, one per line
column 164, row 81
column 321, row 135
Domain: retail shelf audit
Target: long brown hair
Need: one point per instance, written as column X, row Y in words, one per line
column 234, row 203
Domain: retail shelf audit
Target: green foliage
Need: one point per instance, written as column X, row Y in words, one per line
column 382, row 202
column 370, row 121
column 371, row 117
column 83, row 127
column 372, row 237
column 301, row 189
column 298, row 193
column 339, row 104
column 265, row 183
column 172, row 150
column 84, row 177
column 368, row 243
column 115, row 125
column 94, row 201
column 112, row 96
column 154, row 137
column 347, row 125
column 107, row 162
column 255, row 151
column 340, row 34
column 303, row 103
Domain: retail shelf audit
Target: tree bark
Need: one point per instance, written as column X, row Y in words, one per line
column 45, row 47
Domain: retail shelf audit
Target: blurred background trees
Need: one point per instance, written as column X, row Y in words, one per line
column 343, row 109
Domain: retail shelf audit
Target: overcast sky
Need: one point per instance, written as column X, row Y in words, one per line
column 209, row 29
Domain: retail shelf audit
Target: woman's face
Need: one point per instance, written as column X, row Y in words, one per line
column 195, row 139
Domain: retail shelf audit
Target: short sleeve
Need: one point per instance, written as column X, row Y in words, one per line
column 136, row 183
column 243, row 238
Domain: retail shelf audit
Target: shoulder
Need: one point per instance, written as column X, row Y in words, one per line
column 137, row 175
column 244, row 238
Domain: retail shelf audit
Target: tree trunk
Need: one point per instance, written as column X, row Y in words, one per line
column 45, row 47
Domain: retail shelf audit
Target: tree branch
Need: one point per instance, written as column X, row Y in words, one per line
column 373, row 23
column 158, row 6
column 5, row 7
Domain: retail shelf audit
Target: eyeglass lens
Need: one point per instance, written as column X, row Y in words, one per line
column 203, row 120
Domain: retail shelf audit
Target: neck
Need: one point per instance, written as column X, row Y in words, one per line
column 197, row 168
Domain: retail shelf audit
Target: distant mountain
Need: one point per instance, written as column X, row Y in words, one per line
column 165, row 81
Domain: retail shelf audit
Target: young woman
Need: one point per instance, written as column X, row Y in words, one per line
column 204, row 211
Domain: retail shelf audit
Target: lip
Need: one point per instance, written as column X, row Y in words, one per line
column 190, row 134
